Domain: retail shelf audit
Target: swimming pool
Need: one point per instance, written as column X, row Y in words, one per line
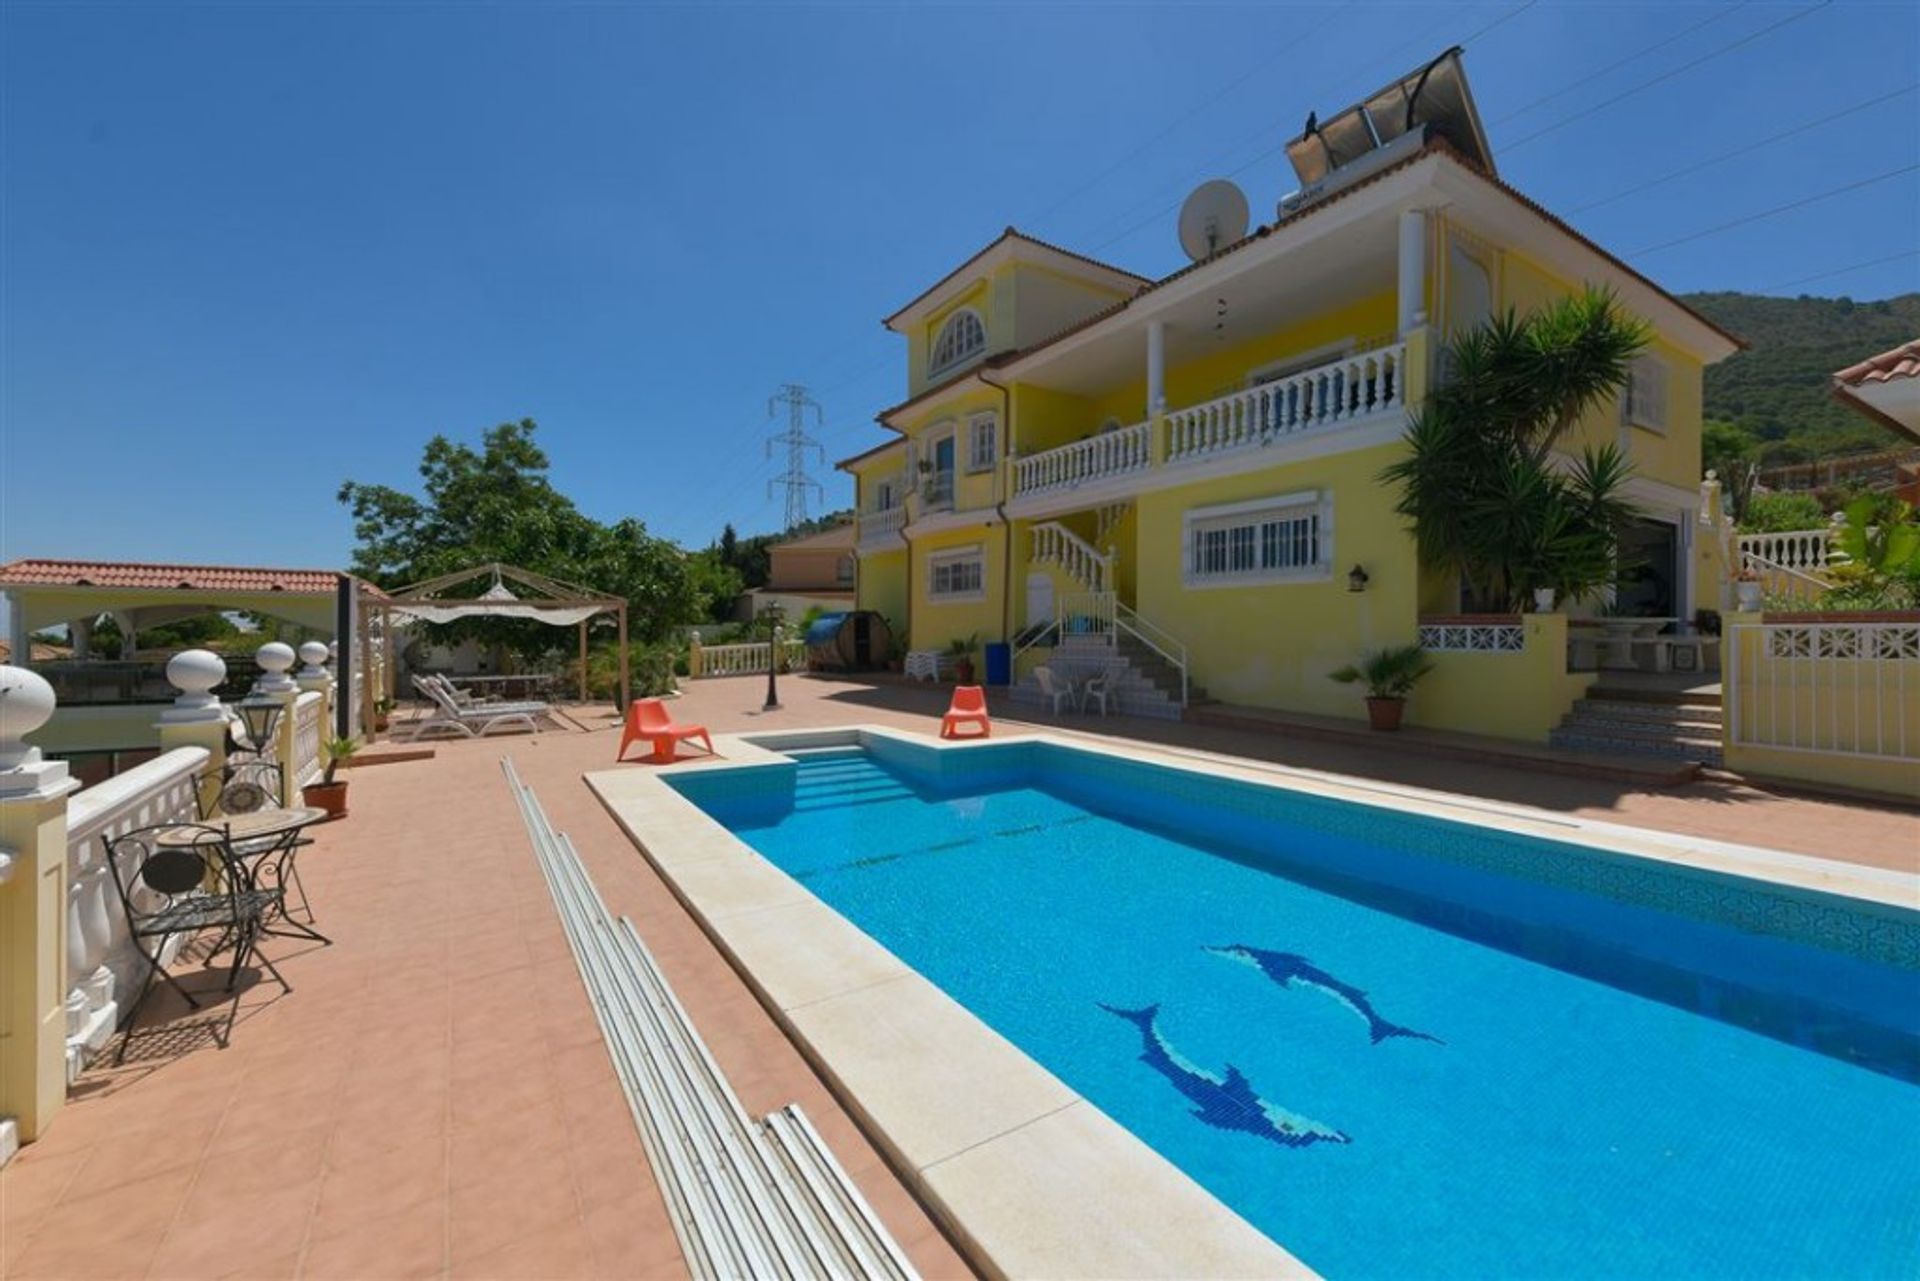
column 1395, row 1044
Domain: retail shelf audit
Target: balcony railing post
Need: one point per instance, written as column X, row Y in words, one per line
column 34, row 903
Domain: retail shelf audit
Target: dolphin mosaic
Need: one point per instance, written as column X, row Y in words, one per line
column 1290, row 970
column 1225, row 1104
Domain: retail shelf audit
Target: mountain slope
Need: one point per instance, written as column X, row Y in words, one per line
column 1778, row 390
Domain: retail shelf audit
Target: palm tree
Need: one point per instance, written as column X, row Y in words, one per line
column 1477, row 481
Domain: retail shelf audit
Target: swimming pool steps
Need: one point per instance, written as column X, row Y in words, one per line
column 747, row 1199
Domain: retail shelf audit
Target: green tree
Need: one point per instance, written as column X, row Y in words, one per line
column 1476, row 482
column 497, row 503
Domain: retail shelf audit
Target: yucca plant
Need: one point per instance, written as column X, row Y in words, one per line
column 1476, row 481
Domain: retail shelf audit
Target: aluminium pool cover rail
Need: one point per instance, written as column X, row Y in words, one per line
column 747, row 1199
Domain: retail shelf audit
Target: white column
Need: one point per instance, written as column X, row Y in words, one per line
column 1413, row 269
column 1156, row 367
column 17, row 635
column 80, row 636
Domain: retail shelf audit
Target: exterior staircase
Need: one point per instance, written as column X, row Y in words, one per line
column 1633, row 720
column 1150, row 688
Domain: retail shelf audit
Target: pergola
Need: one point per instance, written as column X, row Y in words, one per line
column 541, row 599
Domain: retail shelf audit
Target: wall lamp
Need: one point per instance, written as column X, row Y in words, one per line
column 1356, row 579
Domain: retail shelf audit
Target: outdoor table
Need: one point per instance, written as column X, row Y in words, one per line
column 524, row 683
column 263, row 844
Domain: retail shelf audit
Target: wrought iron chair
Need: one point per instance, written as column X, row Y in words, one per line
column 181, row 879
column 247, row 786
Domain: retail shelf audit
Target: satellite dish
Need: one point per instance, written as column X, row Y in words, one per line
column 1214, row 217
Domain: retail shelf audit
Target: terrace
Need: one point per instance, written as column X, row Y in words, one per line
column 434, row 1097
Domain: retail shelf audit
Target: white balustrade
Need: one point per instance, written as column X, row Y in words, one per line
column 751, row 658
column 101, row 960
column 1112, row 453
column 1838, row 687
column 1805, row 550
column 881, row 526
column 1340, row 391
column 1055, row 544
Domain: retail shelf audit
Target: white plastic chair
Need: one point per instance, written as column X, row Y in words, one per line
column 1105, row 685
column 1057, row 693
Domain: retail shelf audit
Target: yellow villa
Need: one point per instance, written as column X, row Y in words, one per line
column 1186, row 470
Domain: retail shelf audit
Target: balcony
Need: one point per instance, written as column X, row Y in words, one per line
column 1359, row 390
column 880, row 530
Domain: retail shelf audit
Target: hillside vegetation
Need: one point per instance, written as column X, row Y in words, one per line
column 1777, row 392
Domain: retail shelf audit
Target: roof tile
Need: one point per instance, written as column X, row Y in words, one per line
column 202, row 578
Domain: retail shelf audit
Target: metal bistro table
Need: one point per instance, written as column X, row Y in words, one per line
column 264, row 843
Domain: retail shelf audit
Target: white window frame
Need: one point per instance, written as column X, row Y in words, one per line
column 1250, row 516
column 935, row 364
column 1646, row 400
column 937, row 561
column 983, row 426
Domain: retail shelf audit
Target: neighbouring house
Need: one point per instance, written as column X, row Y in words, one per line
column 1189, row 466
column 109, row 702
column 1886, row 388
column 814, row 571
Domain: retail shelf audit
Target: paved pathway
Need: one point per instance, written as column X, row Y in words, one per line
column 433, row 1098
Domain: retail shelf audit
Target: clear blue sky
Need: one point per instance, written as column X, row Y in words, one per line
column 252, row 250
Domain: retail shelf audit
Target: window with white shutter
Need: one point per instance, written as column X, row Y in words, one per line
column 1275, row 540
column 983, row 448
column 957, row 575
column 1644, row 401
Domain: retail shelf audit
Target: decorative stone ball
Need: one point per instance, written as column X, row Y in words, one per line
column 26, row 703
column 274, row 657
column 314, row 653
column 196, row 671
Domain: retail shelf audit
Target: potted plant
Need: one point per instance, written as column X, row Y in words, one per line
column 382, row 709
column 1746, row 589
column 1389, row 674
column 961, row 651
column 328, row 794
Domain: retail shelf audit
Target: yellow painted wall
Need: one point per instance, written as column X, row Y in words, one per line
column 1045, row 301
column 934, row 622
column 1273, row 645
column 1673, row 457
column 882, row 586
column 980, row 296
column 1506, row 695
column 972, row 490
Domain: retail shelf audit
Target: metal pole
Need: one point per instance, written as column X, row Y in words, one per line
column 583, row 660
column 773, row 666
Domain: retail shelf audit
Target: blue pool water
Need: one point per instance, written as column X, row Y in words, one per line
column 1409, row 1058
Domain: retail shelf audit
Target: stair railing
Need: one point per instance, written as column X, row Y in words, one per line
column 1055, row 544
column 1156, row 638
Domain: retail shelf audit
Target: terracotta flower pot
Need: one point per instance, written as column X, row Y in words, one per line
column 963, row 671
column 331, row 797
column 1384, row 713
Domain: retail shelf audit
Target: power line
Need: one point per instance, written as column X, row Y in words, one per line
column 1263, row 64
column 1566, row 89
column 1698, row 165
column 1255, row 159
column 1588, row 112
column 1841, row 271
column 1802, row 203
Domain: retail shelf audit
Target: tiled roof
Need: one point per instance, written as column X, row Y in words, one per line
column 198, row 578
column 1902, row 362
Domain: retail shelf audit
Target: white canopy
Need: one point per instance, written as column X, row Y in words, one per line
column 498, row 602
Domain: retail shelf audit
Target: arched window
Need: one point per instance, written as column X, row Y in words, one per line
column 962, row 337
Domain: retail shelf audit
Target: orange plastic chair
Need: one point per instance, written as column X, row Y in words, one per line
column 969, row 708
column 647, row 720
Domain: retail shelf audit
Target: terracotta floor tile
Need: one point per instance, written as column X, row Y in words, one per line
column 555, row 1253
column 411, row 1243
column 530, row 1193
column 632, row 1237
column 366, row 1185
column 215, row 1231
column 113, row 1233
